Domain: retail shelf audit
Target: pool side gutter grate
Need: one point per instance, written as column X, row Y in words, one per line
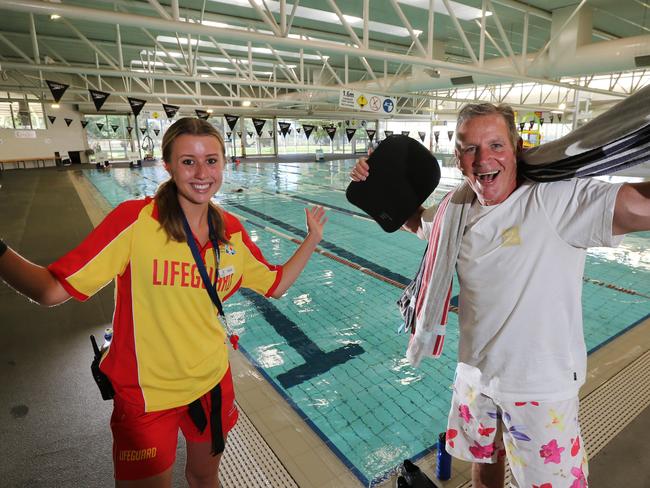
column 249, row 462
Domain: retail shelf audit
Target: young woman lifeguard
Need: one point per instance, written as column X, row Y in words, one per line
column 168, row 359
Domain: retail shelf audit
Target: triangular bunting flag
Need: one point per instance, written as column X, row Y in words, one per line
column 98, row 97
column 559, row 117
column 68, row 122
column 436, row 135
column 84, row 123
column 170, row 110
column 143, row 130
column 551, row 117
column 331, row 131
column 271, row 132
column 422, row 135
column 229, row 134
column 308, row 129
column 136, row 105
column 115, row 127
column 51, row 118
column 371, row 134
column 450, row 134
column 406, row 132
column 129, row 129
column 350, row 133
column 231, row 120
column 298, row 130
column 250, row 134
column 156, row 131
column 57, row 89
column 521, row 125
column 388, row 133
column 541, row 121
column 530, row 124
column 259, row 125
column 100, row 126
column 239, row 134
column 284, row 127
column 290, row 129
column 202, row 114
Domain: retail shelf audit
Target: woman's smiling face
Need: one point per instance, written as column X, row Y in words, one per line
column 196, row 166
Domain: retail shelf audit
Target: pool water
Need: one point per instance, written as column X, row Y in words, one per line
column 330, row 346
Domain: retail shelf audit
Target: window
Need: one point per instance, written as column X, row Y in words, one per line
column 108, row 137
column 37, row 116
column 21, row 115
column 17, row 113
column 6, row 119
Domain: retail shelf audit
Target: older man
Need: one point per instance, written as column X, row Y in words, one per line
column 522, row 356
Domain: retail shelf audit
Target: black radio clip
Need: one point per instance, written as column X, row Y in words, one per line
column 103, row 383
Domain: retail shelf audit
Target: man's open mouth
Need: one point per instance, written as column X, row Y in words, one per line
column 487, row 176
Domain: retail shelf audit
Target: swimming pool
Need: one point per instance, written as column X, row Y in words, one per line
column 330, row 346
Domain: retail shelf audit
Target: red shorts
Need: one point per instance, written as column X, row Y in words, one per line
column 144, row 444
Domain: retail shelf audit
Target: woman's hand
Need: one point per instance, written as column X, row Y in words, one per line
column 316, row 220
column 361, row 170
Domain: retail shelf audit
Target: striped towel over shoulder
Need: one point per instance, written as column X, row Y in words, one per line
column 425, row 302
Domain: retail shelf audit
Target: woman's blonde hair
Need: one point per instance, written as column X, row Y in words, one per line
column 170, row 214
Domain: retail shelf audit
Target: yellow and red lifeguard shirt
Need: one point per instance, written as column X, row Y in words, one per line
column 168, row 344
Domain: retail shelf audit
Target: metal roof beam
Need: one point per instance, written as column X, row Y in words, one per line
column 105, row 16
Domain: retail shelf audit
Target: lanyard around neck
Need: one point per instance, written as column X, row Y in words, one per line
column 200, row 265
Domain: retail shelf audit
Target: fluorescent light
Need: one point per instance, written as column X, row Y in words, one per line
column 214, row 59
column 246, row 103
column 350, row 19
column 55, row 17
column 562, row 106
column 209, row 110
column 55, row 105
column 234, row 47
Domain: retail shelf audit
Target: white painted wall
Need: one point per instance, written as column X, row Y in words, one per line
column 57, row 137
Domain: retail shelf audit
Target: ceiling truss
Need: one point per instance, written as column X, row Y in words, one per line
column 171, row 54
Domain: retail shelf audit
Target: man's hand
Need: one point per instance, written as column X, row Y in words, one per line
column 361, row 170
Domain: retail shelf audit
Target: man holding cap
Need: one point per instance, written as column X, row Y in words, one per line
column 522, row 356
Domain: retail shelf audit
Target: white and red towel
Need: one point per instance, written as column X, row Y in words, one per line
column 425, row 302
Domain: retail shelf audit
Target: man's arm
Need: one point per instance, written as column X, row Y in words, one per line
column 632, row 210
column 414, row 223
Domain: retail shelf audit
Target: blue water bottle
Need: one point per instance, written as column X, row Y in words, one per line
column 443, row 464
column 108, row 337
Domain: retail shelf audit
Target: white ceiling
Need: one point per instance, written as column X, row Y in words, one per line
column 294, row 57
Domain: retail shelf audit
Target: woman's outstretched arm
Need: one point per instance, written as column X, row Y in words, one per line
column 31, row 280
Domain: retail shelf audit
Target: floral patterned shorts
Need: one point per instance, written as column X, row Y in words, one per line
column 541, row 440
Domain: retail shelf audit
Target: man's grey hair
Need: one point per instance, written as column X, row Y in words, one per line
column 472, row 110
